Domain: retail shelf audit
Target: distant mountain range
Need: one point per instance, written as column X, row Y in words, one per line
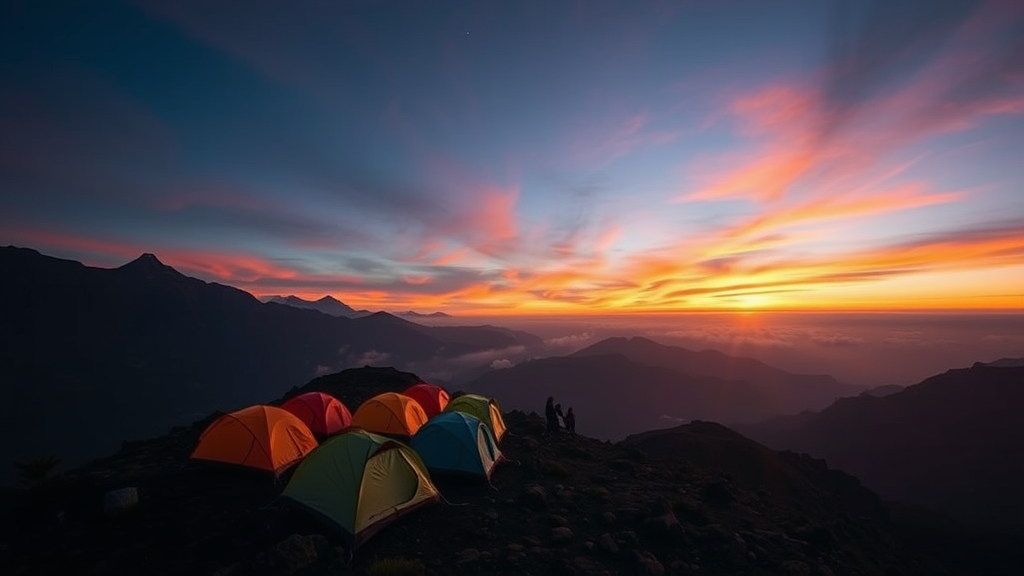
column 954, row 442
column 94, row 356
column 621, row 386
column 327, row 305
column 331, row 305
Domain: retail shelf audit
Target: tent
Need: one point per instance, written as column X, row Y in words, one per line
column 486, row 409
column 390, row 413
column 432, row 398
column 324, row 414
column 456, row 443
column 359, row 482
column 262, row 437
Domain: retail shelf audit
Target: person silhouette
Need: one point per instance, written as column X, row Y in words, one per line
column 551, row 414
column 558, row 410
column 570, row 421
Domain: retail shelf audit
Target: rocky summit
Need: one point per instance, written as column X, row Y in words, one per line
column 560, row 504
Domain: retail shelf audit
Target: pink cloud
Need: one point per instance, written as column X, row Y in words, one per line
column 600, row 144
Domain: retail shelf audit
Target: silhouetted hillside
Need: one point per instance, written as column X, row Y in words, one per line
column 93, row 356
column 661, row 503
column 953, row 442
column 783, row 392
column 614, row 396
column 620, row 386
column 327, row 305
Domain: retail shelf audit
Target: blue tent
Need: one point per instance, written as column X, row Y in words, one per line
column 456, row 443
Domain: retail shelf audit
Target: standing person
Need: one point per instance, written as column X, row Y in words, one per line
column 570, row 421
column 558, row 410
column 551, row 414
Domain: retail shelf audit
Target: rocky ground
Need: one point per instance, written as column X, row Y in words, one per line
column 561, row 504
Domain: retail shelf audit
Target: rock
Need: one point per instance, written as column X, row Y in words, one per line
column 665, row 527
column 629, row 537
column 290, row 555
column 534, row 497
column 585, row 566
column 794, row 568
column 606, row 542
column 609, row 518
column 556, row 520
column 513, row 547
column 647, row 564
column 467, row 556
column 679, row 567
column 719, row 493
column 491, row 514
column 120, row 502
column 532, row 540
column 561, row 536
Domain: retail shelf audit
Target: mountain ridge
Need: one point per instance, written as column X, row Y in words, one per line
column 561, row 504
column 933, row 443
column 95, row 341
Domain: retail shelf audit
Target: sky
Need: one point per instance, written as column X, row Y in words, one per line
column 528, row 157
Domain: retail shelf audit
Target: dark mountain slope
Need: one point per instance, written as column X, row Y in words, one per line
column 782, row 391
column 562, row 505
column 91, row 356
column 953, row 442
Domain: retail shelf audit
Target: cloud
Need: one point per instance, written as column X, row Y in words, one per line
column 501, row 364
column 372, row 358
column 570, row 341
column 322, row 370
column 596, row 146
column 836, row 340
column 718, row 335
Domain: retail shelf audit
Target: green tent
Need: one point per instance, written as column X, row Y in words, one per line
column 485, row 409
column 359, row 482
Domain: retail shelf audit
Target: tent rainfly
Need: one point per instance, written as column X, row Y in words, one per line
column 358, row 482
column 261, row 437
column 485, row 409
column 390, row 413
column 456, row 443
column 324, row 414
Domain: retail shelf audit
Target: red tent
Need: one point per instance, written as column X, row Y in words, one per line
column 324, row 414
column 432, row 398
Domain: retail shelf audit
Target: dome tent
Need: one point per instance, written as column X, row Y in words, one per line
column 359, row 482
column 390, row 413
column 485, row 409
column 456, row 443
column 261, row 437
column 432, row 398
column 324, row 414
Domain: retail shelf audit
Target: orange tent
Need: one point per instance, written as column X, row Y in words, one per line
column 324, row 414
column 390, row 413
column 262, row 437
column 432, row 398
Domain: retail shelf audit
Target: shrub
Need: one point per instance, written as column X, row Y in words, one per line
column 36, row 470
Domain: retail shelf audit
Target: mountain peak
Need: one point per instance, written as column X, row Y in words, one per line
column 148, row 263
